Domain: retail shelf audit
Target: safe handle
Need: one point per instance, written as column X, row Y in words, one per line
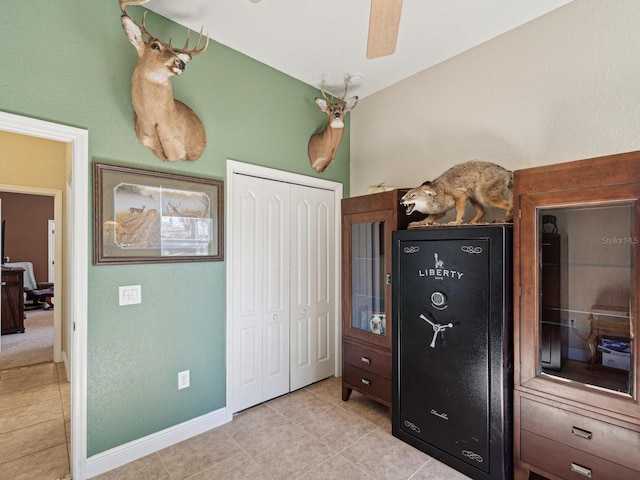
column 579, row 432
column 581, row 470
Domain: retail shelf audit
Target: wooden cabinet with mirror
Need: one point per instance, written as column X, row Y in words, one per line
column 367, row 223
column 576, row 247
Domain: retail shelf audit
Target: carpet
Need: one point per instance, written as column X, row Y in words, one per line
column 35, row 345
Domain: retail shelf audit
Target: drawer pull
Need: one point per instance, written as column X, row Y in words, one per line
column 365, row 381
column 366, row 360
column 581, row 470
column 578, row 432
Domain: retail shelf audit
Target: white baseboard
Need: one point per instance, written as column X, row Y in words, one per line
column 118, row 456
column 67, row 366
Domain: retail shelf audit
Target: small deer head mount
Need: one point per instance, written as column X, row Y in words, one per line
column 170, row 128
column 323, row 145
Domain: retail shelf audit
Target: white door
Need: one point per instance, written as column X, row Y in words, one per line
column 282, row 298
column 260, row 291
column 312, row 341
column 51, row 250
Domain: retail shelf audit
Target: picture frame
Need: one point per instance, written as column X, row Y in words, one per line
column 147, row 216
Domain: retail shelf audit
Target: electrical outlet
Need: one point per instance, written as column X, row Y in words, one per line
column 184, row 380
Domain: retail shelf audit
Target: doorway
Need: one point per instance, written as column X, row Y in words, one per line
column 75, row 275
column 38, row 204
column 281, row 190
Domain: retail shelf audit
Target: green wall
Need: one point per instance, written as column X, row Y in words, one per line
column 69, row 62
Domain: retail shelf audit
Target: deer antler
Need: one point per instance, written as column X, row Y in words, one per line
column 195, row 50
column 346, row 89
column 332, row 102
column 143, row 28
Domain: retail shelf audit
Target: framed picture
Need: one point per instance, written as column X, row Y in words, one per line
column 144, row 216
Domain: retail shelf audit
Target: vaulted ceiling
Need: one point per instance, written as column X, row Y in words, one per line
column 326, row 40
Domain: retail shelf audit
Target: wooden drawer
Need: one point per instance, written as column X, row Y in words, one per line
column 368, row 383
column 569, row 463
column 367, row 359
column 617, row 444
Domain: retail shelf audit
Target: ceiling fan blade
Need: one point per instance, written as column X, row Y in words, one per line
column 384, row 21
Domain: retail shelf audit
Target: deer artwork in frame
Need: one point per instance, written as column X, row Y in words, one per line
column 323, row 146
column 167, row 126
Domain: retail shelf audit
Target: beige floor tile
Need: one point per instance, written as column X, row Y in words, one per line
column 38, row 377
column 434, row 470
column 32, row 439
column 44, row 465
column 373, row 411
column 247, row 420
column 65, row 395
column 330, row 389
column 257, row 432
column 145, row 468
column 29, row 415
column 27, row 396
column 337, row 427
column 300, row 405
column 292, row 455
column 336, row 468
column 198, row 453
column 28, row 370
column 238, row 467
column 385, row 457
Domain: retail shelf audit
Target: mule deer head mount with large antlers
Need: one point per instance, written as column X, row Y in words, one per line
column 323, row 145
column 170, row 128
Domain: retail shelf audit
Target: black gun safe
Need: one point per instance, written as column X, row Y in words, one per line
column 452, row 346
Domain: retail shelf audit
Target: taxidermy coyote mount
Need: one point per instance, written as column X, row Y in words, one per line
column 323, row 145
column 484, row 184
column 170, row 128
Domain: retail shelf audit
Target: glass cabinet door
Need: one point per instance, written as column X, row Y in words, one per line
column 586, row 293
column 368, row 278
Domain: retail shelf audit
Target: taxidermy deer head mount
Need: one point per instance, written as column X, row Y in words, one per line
column 323, row 145
column 165, row 125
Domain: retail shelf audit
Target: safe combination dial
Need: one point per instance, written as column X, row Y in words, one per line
column 439, row 300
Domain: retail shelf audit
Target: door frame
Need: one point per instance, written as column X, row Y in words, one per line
column 237, row 167
column 77, row 228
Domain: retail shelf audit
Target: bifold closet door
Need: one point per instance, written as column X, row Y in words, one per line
column 260, row 290
column 312, row 329
column 283, row 301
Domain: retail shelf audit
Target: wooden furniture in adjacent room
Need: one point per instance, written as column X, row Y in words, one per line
column 572, row 420
column 367, row 223
column 12, row 300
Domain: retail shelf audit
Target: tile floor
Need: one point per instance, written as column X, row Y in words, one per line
column 310, row 434
column 34, row 422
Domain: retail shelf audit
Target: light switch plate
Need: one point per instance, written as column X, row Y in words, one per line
column 130, row 294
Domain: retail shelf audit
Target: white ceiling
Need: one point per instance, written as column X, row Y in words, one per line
column 316, row 40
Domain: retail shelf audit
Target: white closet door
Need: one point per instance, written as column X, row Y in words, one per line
column 312, row 337
column 260, row 291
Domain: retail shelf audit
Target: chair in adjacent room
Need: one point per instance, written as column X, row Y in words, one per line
column 36, row 294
